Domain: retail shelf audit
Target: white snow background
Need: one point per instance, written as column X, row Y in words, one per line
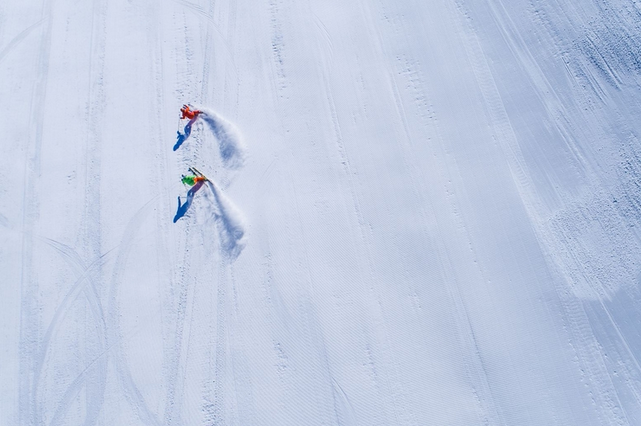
column 420, row 212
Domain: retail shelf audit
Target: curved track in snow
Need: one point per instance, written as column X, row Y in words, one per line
column 418, row 212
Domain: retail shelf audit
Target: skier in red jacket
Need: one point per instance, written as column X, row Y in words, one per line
column 189, row 114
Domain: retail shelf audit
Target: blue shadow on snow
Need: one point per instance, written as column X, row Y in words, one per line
column 181, row 137
column 182, row 209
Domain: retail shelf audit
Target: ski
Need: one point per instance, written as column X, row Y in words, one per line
column 197, row 173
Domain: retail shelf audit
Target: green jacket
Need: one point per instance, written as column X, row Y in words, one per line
column 189, row 180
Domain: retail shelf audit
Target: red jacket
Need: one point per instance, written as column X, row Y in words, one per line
column 189, row 114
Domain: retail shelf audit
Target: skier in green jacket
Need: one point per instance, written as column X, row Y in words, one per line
column 195, row 181
column 192, row 179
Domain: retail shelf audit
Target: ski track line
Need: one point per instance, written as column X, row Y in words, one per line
column 311, row 325
column 472, row 359
column 230, row 243
column 394, row 386
column 475, row 366
column 231, row 42
column 510, row 147
column 276, row 308
column 178, row 301
column 207, row 53
column 314, row 334
column 30, row 319
column 191, row 302
column 208, row 384
column 346, row 415
column 172, row 356
column 589, row 358
column 133, row 394
column 240, row 371
column 213, row 410
column 161, row 179
column 220, row 366
column 265, row 177
column 91, row 230
column 74, row 388
column 577, row 260
column 546, row 236
column 83, row 274
column 278, row 54
column 209, row 17
column 543, row 88
column 172, row 408
column 413, row 72
column 20, row 37
column 455, row 201
column 280, row 84
column 76, row 385
column 343, row 407
column 533, row 207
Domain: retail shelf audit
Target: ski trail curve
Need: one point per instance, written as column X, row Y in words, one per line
column 19, row 38
column 83, row 277
column 30, row 322
column 114, row 339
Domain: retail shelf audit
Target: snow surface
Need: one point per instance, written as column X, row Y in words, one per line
column 420, row 212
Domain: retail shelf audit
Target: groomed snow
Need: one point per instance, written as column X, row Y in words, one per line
column 419, row 212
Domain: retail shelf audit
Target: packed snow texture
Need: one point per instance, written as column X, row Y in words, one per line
column 419, row 212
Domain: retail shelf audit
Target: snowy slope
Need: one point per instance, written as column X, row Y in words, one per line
column 420, row 212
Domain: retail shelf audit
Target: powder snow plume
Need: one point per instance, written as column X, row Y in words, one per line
column 229, row 139
column 229, row 223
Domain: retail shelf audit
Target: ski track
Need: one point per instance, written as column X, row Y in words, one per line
column 410, row 69
column 393, row 386
column 30, row 321
column 312, row 328
column 114, row 334
column 91, row 234
column 85, row 284
column 578, row 215
column 286, row 364
column 311, row 331
column 576, row 316
column 13, row 43
column 178, row 292
column 230, row 231
column 245, row 411
column 161, row 180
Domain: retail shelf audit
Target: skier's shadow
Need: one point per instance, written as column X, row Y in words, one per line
column 181, row 137
column 183, row 208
